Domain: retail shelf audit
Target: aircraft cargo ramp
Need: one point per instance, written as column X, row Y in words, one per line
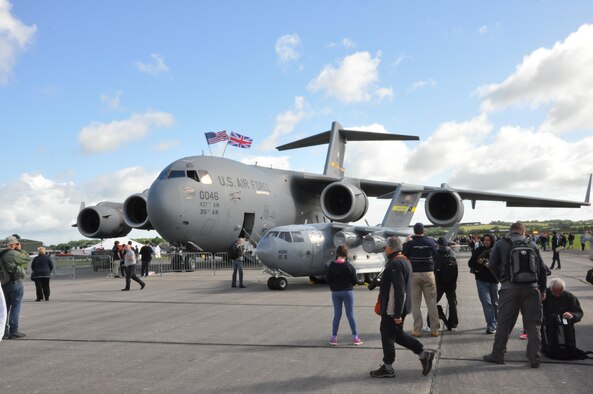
column 189, row 332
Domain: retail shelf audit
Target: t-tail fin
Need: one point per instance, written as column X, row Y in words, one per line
column 402, row 207
column 337, row 138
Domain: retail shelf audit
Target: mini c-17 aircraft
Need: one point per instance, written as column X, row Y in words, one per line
column 204, row 203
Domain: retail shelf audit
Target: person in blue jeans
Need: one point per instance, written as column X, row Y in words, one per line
column 486, row 283
column 341, row 277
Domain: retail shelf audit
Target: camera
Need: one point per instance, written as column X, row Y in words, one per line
column 374, row 283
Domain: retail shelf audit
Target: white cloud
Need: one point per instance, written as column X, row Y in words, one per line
column 429, row 83
column 166, row 145
column 280, row 162
column 102, row 137
column 286, row 48
column 473, row 155
column 348, row 43
column 15, row 37
column 483, row 29
column 560, row 77
column 157, row 67
column 286, row 121
column 36, row 207
column 353, row 80
column 112, row 102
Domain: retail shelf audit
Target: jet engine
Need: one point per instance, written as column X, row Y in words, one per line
column 347, row 238
column 444, row 208
column 104, row 220
column 373, row 243
column 343, row 202
column 135, row 212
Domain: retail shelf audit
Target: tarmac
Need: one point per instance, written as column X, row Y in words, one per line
column 190, row 332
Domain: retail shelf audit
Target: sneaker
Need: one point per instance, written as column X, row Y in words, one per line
column 490, row 331
column 125, row 289
column 426, row 360
column 489, row 358
column 142, row 286
column 416, row 334
column 523, row 336
column 427, row 329
column 16, row 335
column 383, row 372
column 242, row 287
column 333, row 341
column 357, row 341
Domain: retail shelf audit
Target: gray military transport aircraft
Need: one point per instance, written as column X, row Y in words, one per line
column 204, row 203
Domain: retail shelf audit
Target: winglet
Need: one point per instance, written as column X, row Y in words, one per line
column 588, row 194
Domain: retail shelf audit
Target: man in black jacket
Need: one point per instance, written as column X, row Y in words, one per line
column 395, row 295
column 515, row 297
column 561, row 302
column 557, row 245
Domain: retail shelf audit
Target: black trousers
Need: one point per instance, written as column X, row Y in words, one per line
column 42, row 288
column 144, row 268
column 391, row 334
column 555, row 258
column 131, row 274
column 449, row 292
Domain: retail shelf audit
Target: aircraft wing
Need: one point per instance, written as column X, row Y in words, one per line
column 384, row 190
column 374, row 189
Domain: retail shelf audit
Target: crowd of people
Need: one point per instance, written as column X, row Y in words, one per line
column 510, row 275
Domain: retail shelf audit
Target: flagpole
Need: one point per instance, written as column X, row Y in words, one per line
column 208, row 144
column 227, row 144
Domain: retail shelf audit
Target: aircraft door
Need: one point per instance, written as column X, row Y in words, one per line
column 247, row 228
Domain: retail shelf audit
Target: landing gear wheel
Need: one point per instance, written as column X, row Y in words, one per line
column 360, row 279
column 281, row 283
column 370, row 277
column 272, row 283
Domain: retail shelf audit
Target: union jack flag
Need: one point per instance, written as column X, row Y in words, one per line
column 240, row 141
column 213, row 138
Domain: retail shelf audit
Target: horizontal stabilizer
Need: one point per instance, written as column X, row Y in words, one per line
column 349, row 135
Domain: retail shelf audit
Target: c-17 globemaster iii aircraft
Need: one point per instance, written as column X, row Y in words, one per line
column 204, row 203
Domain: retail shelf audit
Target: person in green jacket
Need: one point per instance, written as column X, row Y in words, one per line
column 15, row 262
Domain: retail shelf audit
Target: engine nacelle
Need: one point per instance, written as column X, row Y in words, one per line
column 135, row 212
column 104, row 220
column 347, row 238
column 373, row 243
column 444, row 208
column 342, row 202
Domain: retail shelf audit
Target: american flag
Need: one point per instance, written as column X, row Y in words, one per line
column 240, row 141
column 213, row 138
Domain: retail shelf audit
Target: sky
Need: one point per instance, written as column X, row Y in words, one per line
column 97, row 97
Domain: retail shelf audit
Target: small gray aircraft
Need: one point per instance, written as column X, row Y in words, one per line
column 204, row 203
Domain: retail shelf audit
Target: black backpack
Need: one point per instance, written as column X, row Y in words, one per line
column 447, row 270
column 523, row 264
column 559, row 341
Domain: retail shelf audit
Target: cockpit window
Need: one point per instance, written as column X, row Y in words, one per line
column 285, row 235
column 205, row 177
column 193, row 174
column 297, row 236
column 176, row 174
column 272, row 234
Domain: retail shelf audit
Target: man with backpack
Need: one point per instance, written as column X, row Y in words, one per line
column 14, row 262
column 236, row 255
column 446, row 272
column 516, row 261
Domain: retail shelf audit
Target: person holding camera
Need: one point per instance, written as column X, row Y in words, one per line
column 486, row 282
column 395, row 297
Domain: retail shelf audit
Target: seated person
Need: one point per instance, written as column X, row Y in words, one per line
column 560, row 302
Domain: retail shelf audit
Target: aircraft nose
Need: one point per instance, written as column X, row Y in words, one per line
column 163, row 204
column 267, row 252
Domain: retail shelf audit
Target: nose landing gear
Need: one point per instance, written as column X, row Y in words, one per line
column 277, row 283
